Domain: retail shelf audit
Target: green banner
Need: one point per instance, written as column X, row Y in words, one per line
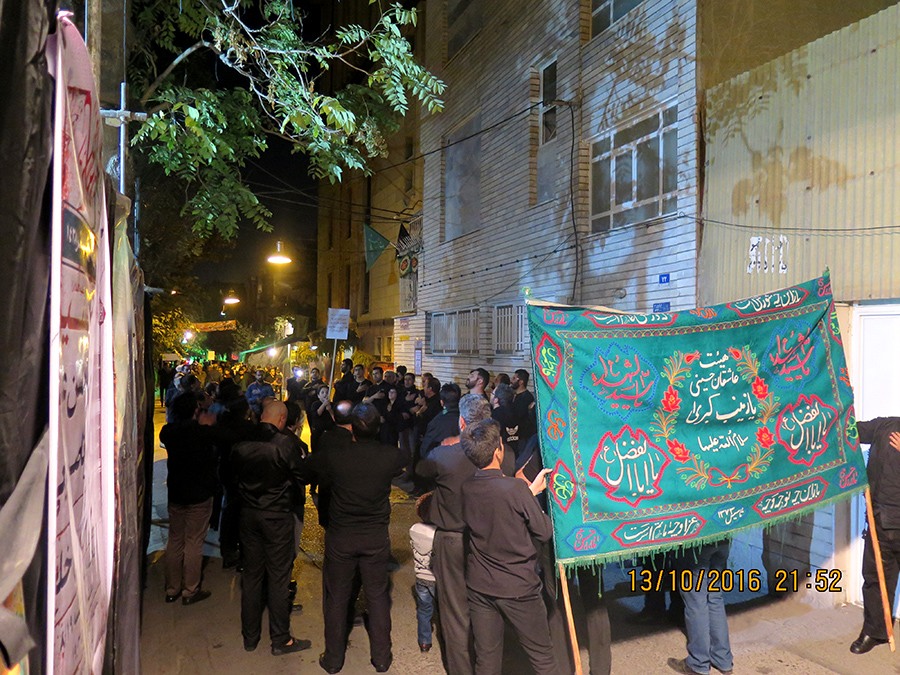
column 375, row 245
column 666, row 430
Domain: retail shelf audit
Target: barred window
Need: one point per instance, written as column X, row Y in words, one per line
column 454, row 332
column 509, row 329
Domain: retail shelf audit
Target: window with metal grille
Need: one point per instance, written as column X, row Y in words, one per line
column 454, row 332
column 509, row 329
column 634, row 171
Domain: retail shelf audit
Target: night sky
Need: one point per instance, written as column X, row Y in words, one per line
column 279, row 178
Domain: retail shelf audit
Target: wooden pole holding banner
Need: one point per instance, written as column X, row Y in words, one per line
column 573, row 639
column 879, row 565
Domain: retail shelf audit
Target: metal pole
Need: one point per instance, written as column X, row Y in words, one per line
column 331, row 377
column 122, row 140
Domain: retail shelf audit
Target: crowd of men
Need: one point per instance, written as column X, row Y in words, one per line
column 235, row 459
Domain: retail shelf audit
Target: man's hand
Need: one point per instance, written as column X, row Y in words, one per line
column 895, row 441
column 539, row 484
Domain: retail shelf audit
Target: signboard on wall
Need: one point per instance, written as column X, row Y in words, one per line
column 417, row 358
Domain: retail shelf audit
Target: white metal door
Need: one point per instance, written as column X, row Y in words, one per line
column 875, row 371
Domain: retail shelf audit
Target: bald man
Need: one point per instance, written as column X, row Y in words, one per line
column 269, row 473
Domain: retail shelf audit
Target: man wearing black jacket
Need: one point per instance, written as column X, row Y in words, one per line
column 269, row 473
column 446, row 424
column 449, row 468
column 358, row 476
column 190, row 442
column 883, row 471
column 503, row 520
column 342, row 386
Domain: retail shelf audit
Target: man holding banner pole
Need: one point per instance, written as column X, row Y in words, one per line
column 883, row 469
column 673, row 430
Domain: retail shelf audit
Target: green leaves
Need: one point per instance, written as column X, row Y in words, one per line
column 204, row 135
column 204, row 138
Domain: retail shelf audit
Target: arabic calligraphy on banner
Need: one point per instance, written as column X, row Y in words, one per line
column 81, row 426
column 688, row 426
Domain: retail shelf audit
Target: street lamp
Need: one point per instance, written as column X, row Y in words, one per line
column 231, row 298
column 279, row 257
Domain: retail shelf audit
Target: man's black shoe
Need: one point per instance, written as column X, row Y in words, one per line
column 199, row 596
column 328, row 669
column 173, row 598
column 865, row 643
column 250, row 645
column 383, row 667
column 291, row 646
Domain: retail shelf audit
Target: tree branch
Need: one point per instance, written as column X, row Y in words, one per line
column 168, row 71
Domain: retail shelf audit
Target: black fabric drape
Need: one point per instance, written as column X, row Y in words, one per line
column 26, row 93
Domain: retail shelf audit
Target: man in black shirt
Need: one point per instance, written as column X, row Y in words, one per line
column 503, row 517
column 477, row 382
column 357, row 541
column 376, row 394
column 357, row 389
column 502, row 411
column 523, row 405
column 339, row 435
column 311, row 390
column 342, row 386
column 192, row 461
column 269, row 474
column 446, row 424
column 428, row 406
column 295, row 385
column 449, row 468
column 883, row 470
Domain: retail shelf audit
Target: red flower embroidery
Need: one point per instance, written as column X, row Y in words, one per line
column 678, row 451
column 690, row 358
column 765, row 437
column 671, row 402
column 760, row 388
column 735, row 353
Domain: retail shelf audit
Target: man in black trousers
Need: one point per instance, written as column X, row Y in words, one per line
column 504, row 520
column 883, row 470
column 448, row 466
column 358, row 477
column 269, row 474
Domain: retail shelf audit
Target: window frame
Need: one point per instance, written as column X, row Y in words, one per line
column 612, row 16
column 452, row 331
column 548, row 111
column 629, row 150
column 518, row 324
